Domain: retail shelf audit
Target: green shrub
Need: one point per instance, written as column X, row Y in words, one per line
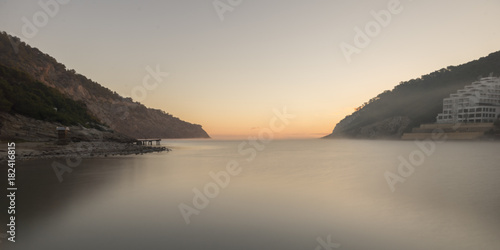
column 21, row 94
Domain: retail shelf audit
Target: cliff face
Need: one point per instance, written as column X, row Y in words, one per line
column 412, row 103
column 120, row 114
column 390, row 128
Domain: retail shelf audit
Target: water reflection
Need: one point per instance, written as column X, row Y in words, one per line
column 291, row 194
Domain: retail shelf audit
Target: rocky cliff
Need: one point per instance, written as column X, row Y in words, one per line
column 120, row 114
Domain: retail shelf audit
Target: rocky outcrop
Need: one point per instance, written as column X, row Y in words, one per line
column 77, row 150
column 343, row 125
column 18, row 127
column 36, row 139
column 390, row 128
column 120, row 114
column 21, row 128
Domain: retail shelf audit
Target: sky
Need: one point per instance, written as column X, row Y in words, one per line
column 228, row 64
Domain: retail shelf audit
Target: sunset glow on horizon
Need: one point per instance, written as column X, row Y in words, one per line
column 229, row 74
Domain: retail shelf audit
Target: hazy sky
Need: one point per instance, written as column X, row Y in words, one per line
column 229, row 74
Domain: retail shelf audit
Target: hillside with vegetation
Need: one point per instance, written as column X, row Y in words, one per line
column 21, row 94
column 414, row 102
column 121, row 114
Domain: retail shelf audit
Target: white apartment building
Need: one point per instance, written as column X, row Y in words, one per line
column 476, row 103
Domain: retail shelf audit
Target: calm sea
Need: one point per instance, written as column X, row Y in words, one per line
column 288, row 194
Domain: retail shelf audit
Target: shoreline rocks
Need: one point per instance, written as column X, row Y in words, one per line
column 49, row 150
